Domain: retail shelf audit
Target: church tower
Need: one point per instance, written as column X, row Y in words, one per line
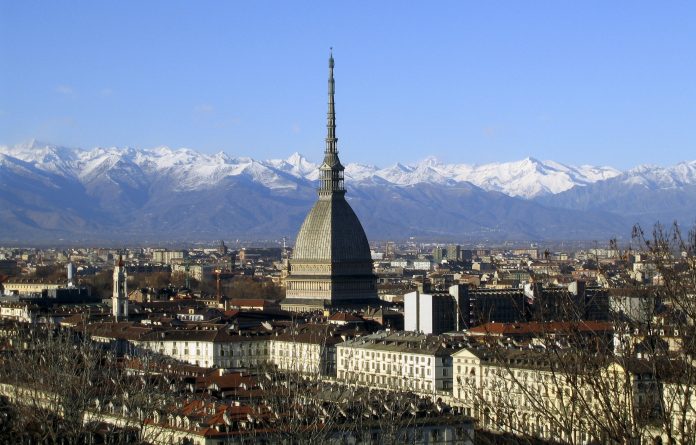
column 331, row 264
column 119, row 299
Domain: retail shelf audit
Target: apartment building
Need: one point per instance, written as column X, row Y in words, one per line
column 546, row 396
column 396, row 360
column 208, row 347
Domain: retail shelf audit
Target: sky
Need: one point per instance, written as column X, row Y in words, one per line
column 591, row 82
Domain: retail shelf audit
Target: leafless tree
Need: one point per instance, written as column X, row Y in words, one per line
column 672, row 328
column 303, row 402
column 576, row 382
column 68, row 389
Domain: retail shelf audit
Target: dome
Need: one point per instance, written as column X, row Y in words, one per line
column 331, row 263
column 332, row 233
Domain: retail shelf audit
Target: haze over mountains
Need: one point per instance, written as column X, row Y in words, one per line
column 51, row 194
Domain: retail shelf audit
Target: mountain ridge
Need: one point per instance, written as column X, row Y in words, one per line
column 49, row 192
column 526, row 178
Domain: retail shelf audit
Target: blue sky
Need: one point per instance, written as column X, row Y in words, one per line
column 610, row 83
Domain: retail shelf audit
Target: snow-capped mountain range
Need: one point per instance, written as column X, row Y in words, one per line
column 193, row 170
column 48, row 191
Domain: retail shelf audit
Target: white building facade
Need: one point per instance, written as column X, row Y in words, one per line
column 209, row 348
column 397, row 361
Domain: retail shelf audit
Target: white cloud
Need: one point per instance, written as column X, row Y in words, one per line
column 203, row 109
column 65, row 89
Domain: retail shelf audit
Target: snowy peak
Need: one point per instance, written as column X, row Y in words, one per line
column 47, row 157
column 531, row 177
column 188, row 169
column 296, row 165
column 527, row 178
column 654, row 177
column 297, row 160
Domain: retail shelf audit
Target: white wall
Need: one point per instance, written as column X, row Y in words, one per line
column 418, row 312
column 411, row 311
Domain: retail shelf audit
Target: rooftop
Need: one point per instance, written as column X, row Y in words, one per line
column 399, row 341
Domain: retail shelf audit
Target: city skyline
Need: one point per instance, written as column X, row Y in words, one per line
column 520, row 269
column 597, row 84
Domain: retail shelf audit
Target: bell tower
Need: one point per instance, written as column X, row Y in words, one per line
column 119, row 299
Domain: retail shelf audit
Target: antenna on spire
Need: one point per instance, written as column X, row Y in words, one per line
column 331, row 169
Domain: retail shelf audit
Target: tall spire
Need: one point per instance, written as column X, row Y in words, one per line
column 331, row 170
column 331, row 139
